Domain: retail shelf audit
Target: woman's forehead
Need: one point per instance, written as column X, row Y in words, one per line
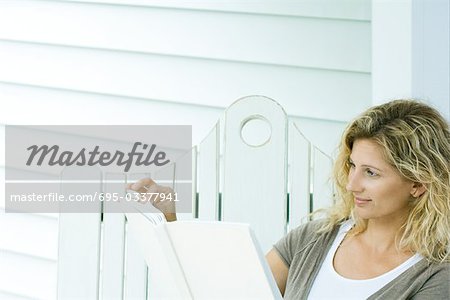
column 366, row 151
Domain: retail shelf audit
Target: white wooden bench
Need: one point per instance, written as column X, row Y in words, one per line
column 255, row 166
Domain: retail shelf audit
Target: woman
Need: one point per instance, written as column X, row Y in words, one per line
column 388, row 235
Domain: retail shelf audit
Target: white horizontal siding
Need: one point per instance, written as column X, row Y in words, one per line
column 303, row 92
column 27, row 276
column 25, row 231
column 54, row 106
column 292, row 41
column 343, row 9
column 28, row 252
column 10, row 296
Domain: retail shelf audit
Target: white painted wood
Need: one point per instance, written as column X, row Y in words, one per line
column 2, row 146
column 29, row 234
column 300, row 91
column 130, row 111
column 38, row 102
column 431, row 53
column 255, row 177
column 28, row 253
column 391, row 50
column 324, row 134
column 239, row 183
column 184, row 184
column 10, row 296
column 294, row 41
column 2, row 179
column 27, row 276
column 322, row 189
column 194, row 179
column 113, row 252
column 135, row 281
column 411, row 46
column 348, row 9
column 171, row 81
column 79, row 248
column 208, row 176
column 299, row 176
column 55, row 106
column 135, row 277
column 79, row 255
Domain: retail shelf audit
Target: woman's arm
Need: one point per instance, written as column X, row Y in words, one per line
column 278, row 268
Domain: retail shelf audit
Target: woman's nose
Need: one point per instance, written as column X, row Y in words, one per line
column 354, row 182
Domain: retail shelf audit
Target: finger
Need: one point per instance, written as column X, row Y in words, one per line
column 147, row 181
column 154, row 188
column 140, row 185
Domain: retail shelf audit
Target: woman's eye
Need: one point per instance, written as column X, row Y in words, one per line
column 371, row 173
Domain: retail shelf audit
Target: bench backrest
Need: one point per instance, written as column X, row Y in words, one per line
column 255, row 166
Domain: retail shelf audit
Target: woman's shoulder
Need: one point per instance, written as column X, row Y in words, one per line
column 317, row 226
column 443, row 269
column 436, row 285
column 310, row 231
column 312, row 225
column 306, row 238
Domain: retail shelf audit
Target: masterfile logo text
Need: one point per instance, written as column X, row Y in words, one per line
column 86, row 168
column 93, row 157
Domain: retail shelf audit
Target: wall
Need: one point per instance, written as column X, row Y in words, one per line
column 169, row 62
column 411, row 51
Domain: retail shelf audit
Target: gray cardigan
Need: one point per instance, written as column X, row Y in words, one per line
column 303, row 250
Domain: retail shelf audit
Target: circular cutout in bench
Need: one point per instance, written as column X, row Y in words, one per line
column 256, row 131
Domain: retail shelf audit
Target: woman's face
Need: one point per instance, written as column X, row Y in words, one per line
column 379, row 190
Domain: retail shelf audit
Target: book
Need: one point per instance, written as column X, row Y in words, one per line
column 202, row 260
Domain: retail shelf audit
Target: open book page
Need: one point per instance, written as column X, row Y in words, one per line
column 167, row 280
column 202, row 260
column 222, row 261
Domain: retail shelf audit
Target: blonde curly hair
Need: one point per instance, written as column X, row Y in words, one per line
column 415, row 140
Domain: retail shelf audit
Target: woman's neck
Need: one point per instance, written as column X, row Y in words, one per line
column 381, row 235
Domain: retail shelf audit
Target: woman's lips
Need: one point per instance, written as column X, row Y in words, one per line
column 361, row 201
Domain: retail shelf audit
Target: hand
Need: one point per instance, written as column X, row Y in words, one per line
column 147, row 186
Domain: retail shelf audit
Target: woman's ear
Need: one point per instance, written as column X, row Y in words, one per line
column 418, row 190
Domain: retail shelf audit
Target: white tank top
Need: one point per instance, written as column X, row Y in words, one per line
column 330, row 285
